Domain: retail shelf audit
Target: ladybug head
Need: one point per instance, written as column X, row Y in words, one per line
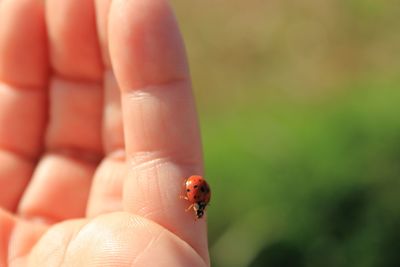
column 199, row 207
column 199, row 213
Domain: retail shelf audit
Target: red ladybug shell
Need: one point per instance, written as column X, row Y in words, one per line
column 197, row 189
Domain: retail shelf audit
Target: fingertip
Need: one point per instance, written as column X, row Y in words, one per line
column 23, row 44
column 102, row 8
column 73, row 42
column 145, row 44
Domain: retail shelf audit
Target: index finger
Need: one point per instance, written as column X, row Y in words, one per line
column 162, row 138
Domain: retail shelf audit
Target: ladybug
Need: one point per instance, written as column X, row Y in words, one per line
column 198, row 193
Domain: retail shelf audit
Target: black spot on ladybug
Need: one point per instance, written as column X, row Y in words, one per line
column 188, row 190
column 202, row 189
column 196, row 186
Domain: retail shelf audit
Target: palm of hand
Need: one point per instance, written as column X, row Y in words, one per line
column 93, row 153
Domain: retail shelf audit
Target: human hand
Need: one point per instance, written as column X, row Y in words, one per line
column 92, row 166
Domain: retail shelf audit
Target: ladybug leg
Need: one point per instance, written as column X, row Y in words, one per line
column 189, row 208
column 183, row 197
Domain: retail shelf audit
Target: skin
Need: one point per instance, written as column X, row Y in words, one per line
column 97, row 130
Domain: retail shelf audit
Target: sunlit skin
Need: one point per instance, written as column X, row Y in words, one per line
column 97, row 129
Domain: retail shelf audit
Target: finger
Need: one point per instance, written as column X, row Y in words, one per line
column 73, row 138
column 17, row 237
column 7, row 222
column 161, row 131
column 106, row 191
column 23, row 79
column 113, row 139
column 102, row 12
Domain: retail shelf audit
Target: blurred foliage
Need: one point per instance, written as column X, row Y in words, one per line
column 299, row 104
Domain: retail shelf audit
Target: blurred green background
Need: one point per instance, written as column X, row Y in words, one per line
column 299, row 104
